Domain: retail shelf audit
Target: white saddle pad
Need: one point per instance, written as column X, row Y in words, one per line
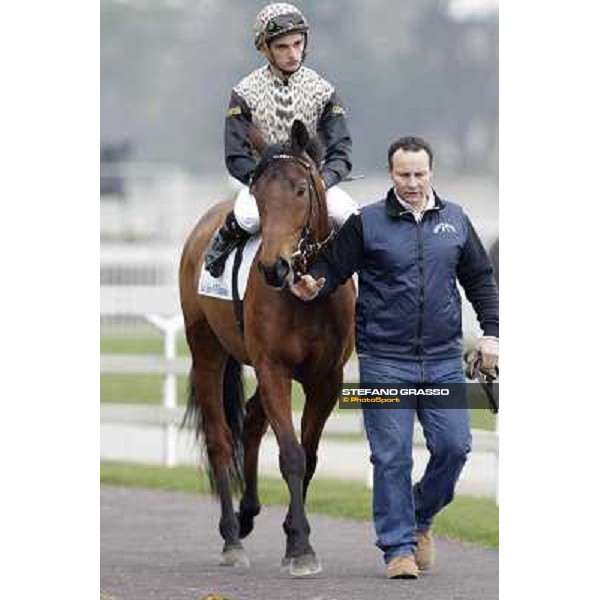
column 221, row 287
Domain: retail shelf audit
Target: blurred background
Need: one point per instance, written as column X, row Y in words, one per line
column 424, row 67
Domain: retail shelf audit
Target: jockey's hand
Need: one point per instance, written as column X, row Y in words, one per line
column 307, row 288
column 489, row 349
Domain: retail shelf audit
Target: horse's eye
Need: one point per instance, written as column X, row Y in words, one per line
column 301, row 191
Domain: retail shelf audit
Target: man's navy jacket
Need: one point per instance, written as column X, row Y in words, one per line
column 409, row 306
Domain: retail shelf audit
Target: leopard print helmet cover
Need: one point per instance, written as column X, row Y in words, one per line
column 268, row 26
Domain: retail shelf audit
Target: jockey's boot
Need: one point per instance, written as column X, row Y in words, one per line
column 227, row 238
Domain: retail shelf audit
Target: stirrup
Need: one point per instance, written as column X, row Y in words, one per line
column 216, row 257
column 225, row 241
column 215, row 265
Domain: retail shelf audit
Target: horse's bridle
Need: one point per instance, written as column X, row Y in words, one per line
column 306, row 248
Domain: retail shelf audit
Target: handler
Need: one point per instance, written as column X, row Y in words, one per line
column 409, row 250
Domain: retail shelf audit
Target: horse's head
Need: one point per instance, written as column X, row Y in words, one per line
column 290, row 195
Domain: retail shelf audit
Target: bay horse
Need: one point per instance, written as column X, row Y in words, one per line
column 283, row 338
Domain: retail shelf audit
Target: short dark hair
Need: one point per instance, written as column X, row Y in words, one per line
column 410, row 143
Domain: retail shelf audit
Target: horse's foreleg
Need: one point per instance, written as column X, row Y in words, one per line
column 255, row 425
column 275, row 390
column 321, row 396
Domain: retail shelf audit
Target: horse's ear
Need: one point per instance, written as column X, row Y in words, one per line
column 299, row 136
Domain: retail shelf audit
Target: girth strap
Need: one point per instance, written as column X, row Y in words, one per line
column 238, row 304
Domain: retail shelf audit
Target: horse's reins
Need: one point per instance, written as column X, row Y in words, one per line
column 486, row 380
column 306, row 248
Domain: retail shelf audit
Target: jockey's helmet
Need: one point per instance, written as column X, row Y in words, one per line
column 278, row 19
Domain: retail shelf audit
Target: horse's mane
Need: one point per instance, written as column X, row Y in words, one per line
column 314, row 149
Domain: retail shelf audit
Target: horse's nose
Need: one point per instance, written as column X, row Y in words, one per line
column 275, row 275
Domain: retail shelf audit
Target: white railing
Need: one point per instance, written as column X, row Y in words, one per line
column 135, row 414
column 159, row 305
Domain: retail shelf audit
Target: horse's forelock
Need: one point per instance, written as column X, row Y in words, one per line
column 267, row 159
column 314, row 149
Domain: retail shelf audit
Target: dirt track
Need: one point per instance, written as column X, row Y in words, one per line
column 162, row 545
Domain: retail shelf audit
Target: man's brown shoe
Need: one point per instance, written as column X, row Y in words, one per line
column 402, row 567
column 425, row 553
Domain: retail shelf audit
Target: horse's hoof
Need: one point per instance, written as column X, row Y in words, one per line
column 307, row 564
column 285, row 564
column 246, row 524
column 235, row 557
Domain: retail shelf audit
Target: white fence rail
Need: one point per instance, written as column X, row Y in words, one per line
column 159, row 305
column 132, row 414
column 122, row 300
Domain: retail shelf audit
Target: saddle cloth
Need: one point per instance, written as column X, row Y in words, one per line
column 221, row 287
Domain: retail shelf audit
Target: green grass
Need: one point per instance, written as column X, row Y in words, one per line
column 147, row 389
column 138, row 389
column 467, row 519
column 142, row 343
column 483, row 419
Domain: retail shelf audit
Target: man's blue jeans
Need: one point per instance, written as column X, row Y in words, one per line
column 399, row 510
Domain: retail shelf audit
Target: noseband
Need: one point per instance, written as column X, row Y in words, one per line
column 308, row 247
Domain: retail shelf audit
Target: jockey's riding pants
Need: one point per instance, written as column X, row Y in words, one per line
column 339, row 207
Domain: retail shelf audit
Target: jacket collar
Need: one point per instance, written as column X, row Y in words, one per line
column 394, row 209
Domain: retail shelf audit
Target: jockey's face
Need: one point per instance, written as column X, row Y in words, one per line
column 411, row 175
column 287, row 51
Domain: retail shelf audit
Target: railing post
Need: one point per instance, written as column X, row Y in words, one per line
column 169, row 326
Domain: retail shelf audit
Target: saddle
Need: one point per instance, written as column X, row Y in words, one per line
column 232, row 284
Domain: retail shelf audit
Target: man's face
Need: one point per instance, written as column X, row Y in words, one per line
column 411, row 175
column 287, row 51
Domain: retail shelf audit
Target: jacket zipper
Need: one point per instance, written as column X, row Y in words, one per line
column 420, row 261
column 421, row 266
column 419, row 345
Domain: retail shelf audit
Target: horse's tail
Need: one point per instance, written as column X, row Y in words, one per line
column 234, row 407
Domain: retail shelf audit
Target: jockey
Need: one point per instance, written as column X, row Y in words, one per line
column 270, row 98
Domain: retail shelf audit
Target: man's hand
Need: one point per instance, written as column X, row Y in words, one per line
column 489, row 350
column 307, row 288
